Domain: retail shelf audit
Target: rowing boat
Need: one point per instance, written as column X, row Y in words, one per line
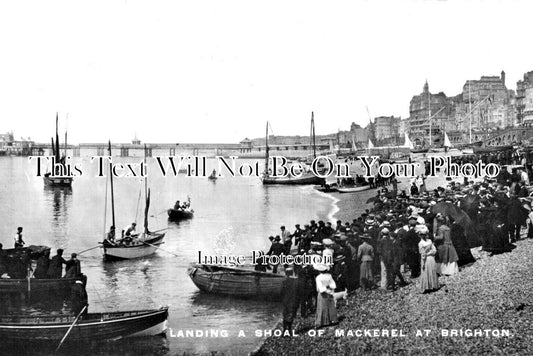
column 180, row 214
column 92, row 327
column 236, row 282
column 354, row 189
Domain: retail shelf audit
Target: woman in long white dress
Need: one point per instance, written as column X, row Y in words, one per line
column 429, row 280
column 326, row 313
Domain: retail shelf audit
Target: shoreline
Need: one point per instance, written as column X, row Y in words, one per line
column 449, row 320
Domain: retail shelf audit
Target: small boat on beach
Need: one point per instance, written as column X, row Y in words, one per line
column 353, row 189
column 92, row 327
column 237, row 282
column 327, row 188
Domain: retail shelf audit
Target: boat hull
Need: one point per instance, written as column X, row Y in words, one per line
column 488, row 149
column 237, row 282
column 92, row 327
column 37, row 286
column 306, row 179
column 142, row 249
column 353, row 189
column 57, row 181
column 174, row 214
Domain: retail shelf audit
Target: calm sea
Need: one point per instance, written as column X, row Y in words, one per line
column 234, row 214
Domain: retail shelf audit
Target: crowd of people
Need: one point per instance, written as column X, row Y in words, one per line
column 428, row 233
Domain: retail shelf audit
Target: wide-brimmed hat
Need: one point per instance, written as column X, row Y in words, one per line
column 422, row 229
column 320, row 267
column 327, row 242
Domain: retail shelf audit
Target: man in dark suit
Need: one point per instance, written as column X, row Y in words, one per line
column 410, row 247
column 276, row 249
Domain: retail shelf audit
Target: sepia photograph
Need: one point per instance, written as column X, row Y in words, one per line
column 266, row 178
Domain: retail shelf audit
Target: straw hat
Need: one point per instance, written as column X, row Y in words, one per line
column 327, row 242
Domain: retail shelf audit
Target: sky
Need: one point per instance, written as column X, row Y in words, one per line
column 216, row 71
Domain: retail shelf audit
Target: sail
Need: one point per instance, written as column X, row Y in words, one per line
column 446, row 140
column 408, row 142
column 146, row 212
column 370, row 144
column 354, row 147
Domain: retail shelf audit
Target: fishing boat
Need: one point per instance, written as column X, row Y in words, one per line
column 59, row 179
column 23, row 281
column 140, row 245
column 307, row 177
column 93, row 327
column 237, row 282
column 353, row 189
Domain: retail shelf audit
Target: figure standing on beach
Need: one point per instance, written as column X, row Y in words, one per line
column 428, row 279
column 365, row 254
column 326, row 313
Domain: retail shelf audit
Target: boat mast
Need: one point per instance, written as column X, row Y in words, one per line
column 266, row 147
column 146, row 194
column 313, row 143
column 111, row 181
column 470, row 112
column 66, row 128
column 57, row 153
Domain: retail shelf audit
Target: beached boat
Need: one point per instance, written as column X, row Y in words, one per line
column 93, row 327
column 236, row 282
column 180, row 214
column 140, row 245
column 307, row 177
column 327, row 188
column 490, row 149
column 353, row 189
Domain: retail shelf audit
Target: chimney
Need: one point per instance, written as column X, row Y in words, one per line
column 503, row 77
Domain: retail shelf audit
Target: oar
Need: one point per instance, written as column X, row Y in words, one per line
column 89, row 249
column 163, row 229
column 149, row 244
column 71, row 326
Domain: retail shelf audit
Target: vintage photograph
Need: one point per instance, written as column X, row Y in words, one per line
column 266, row 178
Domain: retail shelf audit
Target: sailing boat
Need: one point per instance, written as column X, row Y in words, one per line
column 305, row 178
column 59, row 178
column 141, row 245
